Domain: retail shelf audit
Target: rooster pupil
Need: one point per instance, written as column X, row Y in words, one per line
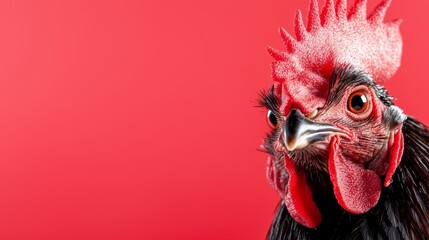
column 358, row 102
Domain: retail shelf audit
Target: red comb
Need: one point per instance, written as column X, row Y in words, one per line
column 335, row 38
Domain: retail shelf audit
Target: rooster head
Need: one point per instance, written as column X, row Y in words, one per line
column 328, row 113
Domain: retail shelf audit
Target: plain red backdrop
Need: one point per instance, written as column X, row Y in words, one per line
column 136, row 119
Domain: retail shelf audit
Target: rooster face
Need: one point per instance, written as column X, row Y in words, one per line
column 354, row 113
column 354, row 137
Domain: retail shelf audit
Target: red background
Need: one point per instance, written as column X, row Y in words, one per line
column 135, row 119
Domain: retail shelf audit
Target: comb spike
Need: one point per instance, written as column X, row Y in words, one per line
column 341, row 9
column 288, row 40
column 300, row 30
column 377, row 16
column 313, row 19
column 358, row 12
column 276, row 54
column 372, row 48
column 328, row 13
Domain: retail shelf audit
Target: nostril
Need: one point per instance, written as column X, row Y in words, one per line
column 313, row 114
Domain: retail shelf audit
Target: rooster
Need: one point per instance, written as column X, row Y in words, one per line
column 347, row 162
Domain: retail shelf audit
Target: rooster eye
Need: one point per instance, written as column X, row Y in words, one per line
column 358, row 102
column 271, row 120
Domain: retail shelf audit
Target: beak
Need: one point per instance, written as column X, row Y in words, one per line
column 299, row 132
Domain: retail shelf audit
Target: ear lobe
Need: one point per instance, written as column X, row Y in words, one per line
column 396, row 151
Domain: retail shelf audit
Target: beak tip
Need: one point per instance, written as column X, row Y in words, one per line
column 292, row 144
